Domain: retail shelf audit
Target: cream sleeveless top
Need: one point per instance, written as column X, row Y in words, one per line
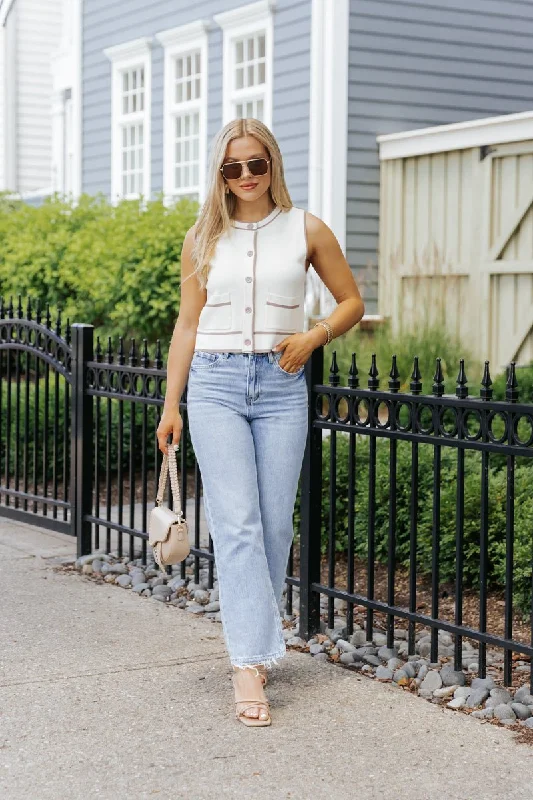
column 256, row 285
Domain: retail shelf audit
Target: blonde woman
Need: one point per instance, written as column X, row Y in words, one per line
column 239, row 346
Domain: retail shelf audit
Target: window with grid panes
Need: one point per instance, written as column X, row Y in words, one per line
column 250, row 75
column 131, row 123
column 186, row 125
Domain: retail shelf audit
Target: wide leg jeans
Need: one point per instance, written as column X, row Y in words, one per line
column 248, row 422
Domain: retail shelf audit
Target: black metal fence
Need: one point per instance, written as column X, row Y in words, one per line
column 82, row 421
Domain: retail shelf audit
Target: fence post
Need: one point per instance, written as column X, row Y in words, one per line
column 311, row 505
column 81, row 438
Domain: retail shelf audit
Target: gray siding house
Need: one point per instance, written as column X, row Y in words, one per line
column 159, row 78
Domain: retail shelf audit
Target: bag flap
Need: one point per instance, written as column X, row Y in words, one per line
column 161, row 519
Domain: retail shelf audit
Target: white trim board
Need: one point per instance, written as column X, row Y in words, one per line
column 328, row 126
column 458, row 136
column 124, row 56
column 5, row 8
column 176, row 41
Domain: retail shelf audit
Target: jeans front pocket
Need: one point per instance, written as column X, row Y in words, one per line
column 203, row 359
column 277, row 357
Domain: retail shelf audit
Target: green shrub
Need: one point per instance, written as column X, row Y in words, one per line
column 428, row 343
column 151, row 424
column 448, row 489
column 114, row 267
column 524, row 377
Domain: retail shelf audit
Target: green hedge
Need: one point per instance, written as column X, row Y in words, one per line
column 524, row 378
column 448, row 485
column 102, row 438
column 115, row 267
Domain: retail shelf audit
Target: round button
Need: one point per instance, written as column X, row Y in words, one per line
column 247, row 341
column 248, row 279
column 248, row 310
column 250, row 253
column 250, row 226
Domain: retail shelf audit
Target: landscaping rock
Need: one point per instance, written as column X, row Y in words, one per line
column 383, row 673
column 124, row 581
column 477, row 697
column 522, row 711
column 500, row 695
column 457, row 702
column 503, row 711
column 452, row 678
column 431, row 682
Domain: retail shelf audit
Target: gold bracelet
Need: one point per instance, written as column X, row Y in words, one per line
column 329, row 331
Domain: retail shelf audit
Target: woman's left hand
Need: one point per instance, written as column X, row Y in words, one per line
column 296, row 349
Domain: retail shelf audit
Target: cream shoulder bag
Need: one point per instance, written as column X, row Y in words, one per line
column 168, row 532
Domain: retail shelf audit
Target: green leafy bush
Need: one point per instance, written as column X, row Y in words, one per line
column 448, row 489
column 524, row 377
column 151, row 425
column 114, row 267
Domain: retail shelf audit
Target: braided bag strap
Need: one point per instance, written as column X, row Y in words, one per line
column 170, row 464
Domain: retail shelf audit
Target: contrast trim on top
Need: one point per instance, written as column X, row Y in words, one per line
column 252, row 226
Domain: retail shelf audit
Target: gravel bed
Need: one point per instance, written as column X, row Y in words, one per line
column 439, row 683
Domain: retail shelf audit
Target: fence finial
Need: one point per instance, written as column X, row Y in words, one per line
column 334, row 377
column 416, row 378
column 145, row 357
column 461, row 389
column 373, row 379
column 132, row 358
column 121, row 358
column 438, row 380
column 158, row 361
column 353, row 374
column 394, row 383
column 486, row 383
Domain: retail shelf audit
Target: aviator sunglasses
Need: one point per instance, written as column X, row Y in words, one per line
column 233, row 169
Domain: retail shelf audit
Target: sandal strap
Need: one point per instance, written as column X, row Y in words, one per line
column 253, row 700
column 252, row 705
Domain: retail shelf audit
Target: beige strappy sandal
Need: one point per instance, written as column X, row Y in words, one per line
column 251, row 702
column 263, row 673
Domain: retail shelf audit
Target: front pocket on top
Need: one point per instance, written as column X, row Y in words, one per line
column 216, row 313
column 282, row 313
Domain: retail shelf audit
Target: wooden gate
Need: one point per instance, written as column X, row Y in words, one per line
column 456, row 246
column 506, row 250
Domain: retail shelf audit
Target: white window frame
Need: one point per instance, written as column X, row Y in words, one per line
column 242, row 21
column 177, row 42
column 126, row 56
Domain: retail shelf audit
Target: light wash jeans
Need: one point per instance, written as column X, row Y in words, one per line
column 248, row 423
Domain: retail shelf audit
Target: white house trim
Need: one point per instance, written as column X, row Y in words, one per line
column 247, row 19
column 458, row 136
column 125, row 56
column 5, row 8
column 328, row 126
column 77, row 116
column 9, row 97
column 128, row 51
column 66, row 104
column 184, row 34
column 178, row 41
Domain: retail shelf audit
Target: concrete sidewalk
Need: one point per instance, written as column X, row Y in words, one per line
column 106, row 694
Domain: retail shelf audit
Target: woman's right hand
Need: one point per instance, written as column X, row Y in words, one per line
column 171, row 422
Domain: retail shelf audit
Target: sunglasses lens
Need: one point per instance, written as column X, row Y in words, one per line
column 258, row 166
column 232, row 171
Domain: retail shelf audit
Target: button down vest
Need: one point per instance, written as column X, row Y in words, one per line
column 256, row 285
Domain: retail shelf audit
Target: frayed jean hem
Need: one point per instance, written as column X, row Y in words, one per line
column 266, row 661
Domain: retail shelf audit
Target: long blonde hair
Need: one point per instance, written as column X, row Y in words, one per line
column 218, row 209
